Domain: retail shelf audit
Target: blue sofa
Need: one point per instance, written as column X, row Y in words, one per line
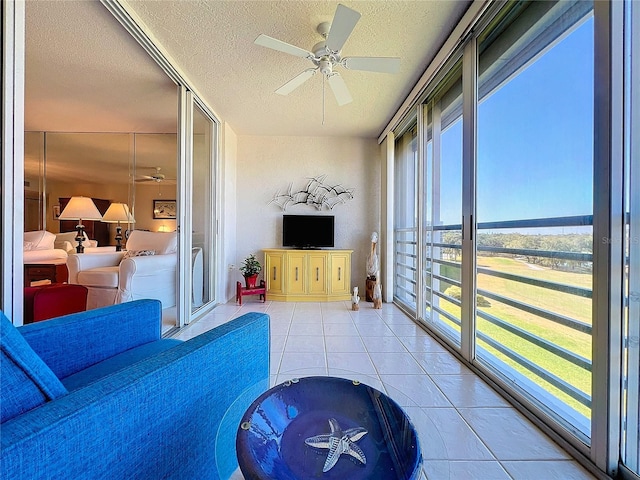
column 100, row 394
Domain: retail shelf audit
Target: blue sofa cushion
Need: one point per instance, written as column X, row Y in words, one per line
column 27, row 381
column 118, row 362
column 74, row 342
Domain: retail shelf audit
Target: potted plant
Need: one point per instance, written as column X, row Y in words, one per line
column 250, row 269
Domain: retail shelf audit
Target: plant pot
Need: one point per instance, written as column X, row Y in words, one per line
column 250, row 280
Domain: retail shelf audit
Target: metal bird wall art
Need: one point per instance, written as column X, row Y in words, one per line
column 316, row 193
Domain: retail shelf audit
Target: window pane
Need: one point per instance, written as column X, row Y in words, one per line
column 535, row 205
column 203, row 209
column 405, row 219
column 443, row 207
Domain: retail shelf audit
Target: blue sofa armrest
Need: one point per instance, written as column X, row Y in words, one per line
column 159, row 418
column 74, row 342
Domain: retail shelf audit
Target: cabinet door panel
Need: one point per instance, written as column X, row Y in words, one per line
column 296, row 274
column 340, row 273
column 274, row 274
column 318, row 274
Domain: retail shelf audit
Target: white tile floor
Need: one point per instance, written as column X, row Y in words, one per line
column 467, row 431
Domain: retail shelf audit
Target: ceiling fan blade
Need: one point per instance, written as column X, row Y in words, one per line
column 339, row 88
column 275, row 44
column 344, row 21
column 373, row 64
column 296, row 81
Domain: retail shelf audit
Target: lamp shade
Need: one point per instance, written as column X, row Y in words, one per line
column 118, row 212
column 80, row 208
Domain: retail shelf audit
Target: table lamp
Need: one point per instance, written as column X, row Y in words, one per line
column 80, row 208
column 116, row 213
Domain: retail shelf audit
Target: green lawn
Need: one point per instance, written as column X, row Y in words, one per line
column 577, row 308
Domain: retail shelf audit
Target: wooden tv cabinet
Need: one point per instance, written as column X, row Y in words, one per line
column 308, row 275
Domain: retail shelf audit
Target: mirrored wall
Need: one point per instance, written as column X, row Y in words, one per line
column 103, row 118
column 132, row 168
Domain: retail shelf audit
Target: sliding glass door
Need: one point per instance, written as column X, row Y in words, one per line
column 534, row 183
column 406, row 220
column 630, row 438
column 203, row 210
column 442, row 207
column 500, row 225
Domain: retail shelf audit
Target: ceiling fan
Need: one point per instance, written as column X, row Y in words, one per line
column 154, row 177
column 326, row 55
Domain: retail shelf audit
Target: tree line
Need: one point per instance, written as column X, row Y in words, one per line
column 561, row 243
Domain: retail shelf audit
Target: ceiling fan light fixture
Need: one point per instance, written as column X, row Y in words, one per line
column 325, row 55
column 154, row 177
column 323, row 29
column 320, row 49
column 326, row 66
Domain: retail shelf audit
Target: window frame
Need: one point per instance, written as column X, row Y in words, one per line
column 604, row 449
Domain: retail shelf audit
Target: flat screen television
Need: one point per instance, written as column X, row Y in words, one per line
column 307, row 231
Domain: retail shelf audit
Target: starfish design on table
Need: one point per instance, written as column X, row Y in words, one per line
column 339, row 442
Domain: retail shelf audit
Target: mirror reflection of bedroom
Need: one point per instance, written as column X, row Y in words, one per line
column 100, row 127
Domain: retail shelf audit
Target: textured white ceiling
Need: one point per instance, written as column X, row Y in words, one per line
column 84, row 73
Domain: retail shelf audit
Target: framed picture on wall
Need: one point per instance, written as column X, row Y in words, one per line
column 164, row 209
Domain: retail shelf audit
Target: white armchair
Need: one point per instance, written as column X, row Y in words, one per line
column 117, row 277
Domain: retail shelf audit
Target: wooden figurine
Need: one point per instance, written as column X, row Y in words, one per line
column 355, row 300
column 373, row 267
column 377, row 296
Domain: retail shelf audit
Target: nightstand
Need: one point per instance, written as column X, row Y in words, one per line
column 55, row 272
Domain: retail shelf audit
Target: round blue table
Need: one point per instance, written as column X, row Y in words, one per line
column 327, row 428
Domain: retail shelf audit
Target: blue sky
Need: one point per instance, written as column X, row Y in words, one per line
column 535, row 140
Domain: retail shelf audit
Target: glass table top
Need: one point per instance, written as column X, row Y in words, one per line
column 327, row 428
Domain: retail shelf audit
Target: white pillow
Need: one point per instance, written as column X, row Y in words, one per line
column 138, row 253
column 70, row 237
column 27, row 246
column 41, row 239
column 161, row 242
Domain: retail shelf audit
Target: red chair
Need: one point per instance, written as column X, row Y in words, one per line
column 49, row 301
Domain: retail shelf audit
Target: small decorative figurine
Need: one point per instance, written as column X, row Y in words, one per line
column 377, row 296
column 373, row 267
column 355, row 300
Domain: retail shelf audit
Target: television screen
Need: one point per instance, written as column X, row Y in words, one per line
column 307, row 231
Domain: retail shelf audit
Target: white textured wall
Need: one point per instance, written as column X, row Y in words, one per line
column 267, row 164
column 228, row 212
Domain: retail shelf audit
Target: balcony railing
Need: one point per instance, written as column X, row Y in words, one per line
column 406, row 259
column 406, row 273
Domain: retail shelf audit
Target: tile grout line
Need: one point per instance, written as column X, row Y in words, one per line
column 326, row 313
